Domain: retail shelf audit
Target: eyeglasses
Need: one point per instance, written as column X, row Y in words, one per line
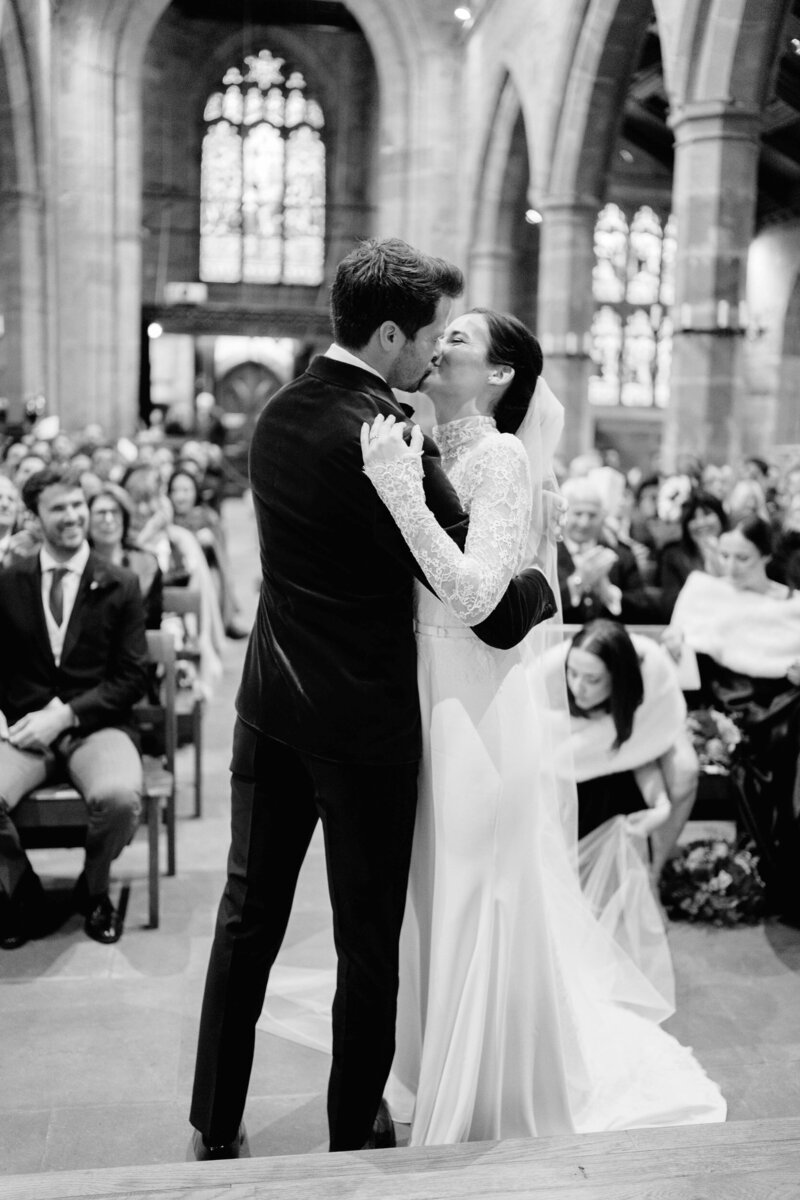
column 107, row 514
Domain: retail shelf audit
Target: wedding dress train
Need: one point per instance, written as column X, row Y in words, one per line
column 519, row 1014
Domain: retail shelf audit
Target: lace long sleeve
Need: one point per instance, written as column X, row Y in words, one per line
column 469, row 583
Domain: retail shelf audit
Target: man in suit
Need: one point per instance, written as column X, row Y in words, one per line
column 328, row 713
column 598, row 574
column 73, row 660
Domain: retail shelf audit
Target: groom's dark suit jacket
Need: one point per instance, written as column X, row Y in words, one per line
column 331, row 663
column 103, row 668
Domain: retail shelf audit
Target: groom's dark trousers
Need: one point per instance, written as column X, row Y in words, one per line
column 328, row 728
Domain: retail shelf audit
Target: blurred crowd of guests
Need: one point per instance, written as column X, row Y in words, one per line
column 154, row 506
column 712, row 554
column 631, row 542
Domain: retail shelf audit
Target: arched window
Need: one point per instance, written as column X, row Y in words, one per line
column 633, row 283
column 262, row 178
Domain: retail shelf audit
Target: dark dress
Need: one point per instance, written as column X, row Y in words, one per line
column 764, row 772
column 605, row 797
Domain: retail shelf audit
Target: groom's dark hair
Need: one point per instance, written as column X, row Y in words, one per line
column 388, row 281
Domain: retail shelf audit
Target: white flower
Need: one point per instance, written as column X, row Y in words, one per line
column 672, row 495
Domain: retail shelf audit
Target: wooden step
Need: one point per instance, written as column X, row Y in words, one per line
column 743, row 1160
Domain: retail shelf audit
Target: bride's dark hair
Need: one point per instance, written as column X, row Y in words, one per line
column 511, row 344
column 610, row 642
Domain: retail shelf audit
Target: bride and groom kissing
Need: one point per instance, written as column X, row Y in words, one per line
column 349, row 710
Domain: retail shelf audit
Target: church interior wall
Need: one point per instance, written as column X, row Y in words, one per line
column 443, row 133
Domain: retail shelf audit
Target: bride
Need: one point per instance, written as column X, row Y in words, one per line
column 518, row 1014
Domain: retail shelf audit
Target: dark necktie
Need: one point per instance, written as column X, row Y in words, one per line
column 57, row 594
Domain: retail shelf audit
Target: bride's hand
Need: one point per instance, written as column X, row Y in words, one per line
column 383, row 441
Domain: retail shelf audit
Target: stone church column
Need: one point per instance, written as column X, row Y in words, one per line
column 95, row 223
column 565, row 309
column 714, row 193
column 489, row 275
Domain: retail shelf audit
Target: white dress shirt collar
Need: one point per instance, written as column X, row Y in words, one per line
column 339, row 354
column 77, row 563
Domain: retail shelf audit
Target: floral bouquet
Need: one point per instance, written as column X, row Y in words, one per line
column 715, row 737
column 714, row 881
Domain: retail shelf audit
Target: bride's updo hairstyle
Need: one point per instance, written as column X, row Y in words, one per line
column 511, row 344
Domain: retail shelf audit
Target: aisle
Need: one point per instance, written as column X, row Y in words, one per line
column 97, row 1043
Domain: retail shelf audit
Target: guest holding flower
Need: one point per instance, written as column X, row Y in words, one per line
column 745, row 631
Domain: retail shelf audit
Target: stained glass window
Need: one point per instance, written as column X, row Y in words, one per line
column 262, row 178
column 633, row 284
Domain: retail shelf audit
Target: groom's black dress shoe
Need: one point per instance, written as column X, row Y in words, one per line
column 205, row 1151
column 382, row 1136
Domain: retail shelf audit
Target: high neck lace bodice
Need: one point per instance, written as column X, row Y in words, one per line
column 455, row 437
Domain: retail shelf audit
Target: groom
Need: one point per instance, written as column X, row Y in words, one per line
column 328, row 724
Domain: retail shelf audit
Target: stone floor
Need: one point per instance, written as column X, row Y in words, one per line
column 97, row 1043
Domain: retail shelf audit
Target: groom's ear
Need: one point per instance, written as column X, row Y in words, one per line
column 390, row 335
column 501, row 375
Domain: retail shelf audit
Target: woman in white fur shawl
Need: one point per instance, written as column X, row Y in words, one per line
column 745, row 631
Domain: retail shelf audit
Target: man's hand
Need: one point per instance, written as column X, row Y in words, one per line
column 3, row 727
column 37, row 730
column 594, row 565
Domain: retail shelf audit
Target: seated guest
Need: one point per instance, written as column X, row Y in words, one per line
column 24, row 536
column 643, row 523
column 702, row 521
column 73, row 661
column 716, row 481
column 745, row 631
column 597, row 572
column 181, row 560
column 28, row 465
column 747, row 499
column 109, row 536
column 13, row 454
column 9, row 512
column 784, row 566
column 189, row 511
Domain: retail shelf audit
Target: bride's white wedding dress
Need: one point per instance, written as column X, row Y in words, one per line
column 518, row 1014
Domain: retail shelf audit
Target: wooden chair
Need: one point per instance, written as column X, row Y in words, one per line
column 186, row 603
column 55, row 815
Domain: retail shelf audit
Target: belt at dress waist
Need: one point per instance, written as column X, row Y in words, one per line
column 443, row 631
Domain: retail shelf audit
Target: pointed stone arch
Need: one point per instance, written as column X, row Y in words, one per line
column 490, row 254
column 605, row 53
column 726, row 50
